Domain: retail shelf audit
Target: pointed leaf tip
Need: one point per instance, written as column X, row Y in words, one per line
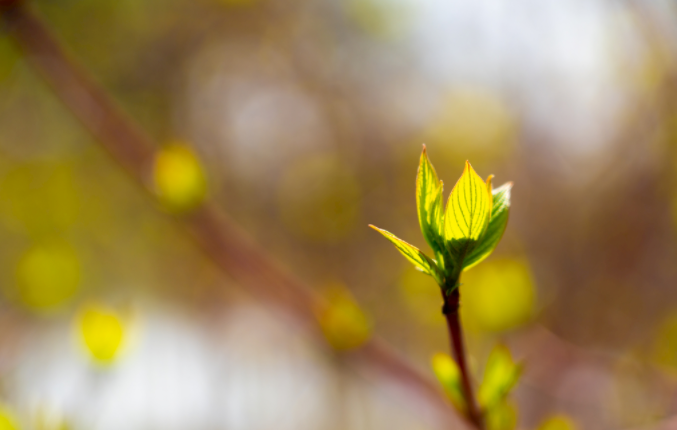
column 413, row 254
column 490, row 187
column 429, row 202
column 467, row 212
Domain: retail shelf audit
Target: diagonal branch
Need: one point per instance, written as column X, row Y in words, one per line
column 213, row 232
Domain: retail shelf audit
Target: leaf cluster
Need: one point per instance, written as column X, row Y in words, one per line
column 463, row 233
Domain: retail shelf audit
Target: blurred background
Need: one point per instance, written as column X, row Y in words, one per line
column 303, row 121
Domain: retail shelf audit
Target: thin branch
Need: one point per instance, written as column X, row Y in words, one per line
column 230, row 248
column 450, row 311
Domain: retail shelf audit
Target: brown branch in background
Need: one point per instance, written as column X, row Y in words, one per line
column 220, row 238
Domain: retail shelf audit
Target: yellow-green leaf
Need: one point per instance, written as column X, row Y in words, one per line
column 500, row 376
column 449, row 375
column 497, row 223
column 429, row 203
column 412, row 254
column 467, row 214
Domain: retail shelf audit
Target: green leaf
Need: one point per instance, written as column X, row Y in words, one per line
column 467, row 214
column 449, row 375
column 497, row 223
column 429, row 203
column 413, row 254
column 500, row 376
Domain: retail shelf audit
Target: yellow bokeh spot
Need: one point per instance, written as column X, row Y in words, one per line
column 445, row 369
column 319, row 198
column 180, row 180
column 102, row 332
column 47, row 276
column 474, row 122
column 497, row 296
column 343, row 323
column 558, row 422
column 7, row 420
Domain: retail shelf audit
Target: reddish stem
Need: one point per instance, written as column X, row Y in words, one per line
column 450, row 311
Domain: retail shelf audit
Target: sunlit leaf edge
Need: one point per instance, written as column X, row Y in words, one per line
column 413, row 254
column 468, row 204
column 429, row 196
column 497, row 225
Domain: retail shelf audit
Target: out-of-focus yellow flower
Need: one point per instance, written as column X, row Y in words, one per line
column 102, row 332
column 343, row 323
column 48, row 275
column 320, row 198
column 180, row 180
column 7, row 420
column 497, row 296
column 558, row 422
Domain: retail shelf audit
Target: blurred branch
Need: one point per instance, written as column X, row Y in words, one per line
column 220, row 238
